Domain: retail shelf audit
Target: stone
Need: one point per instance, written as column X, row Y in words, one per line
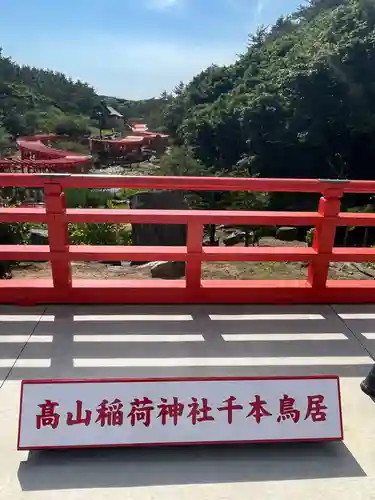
column 159, row 234
column 168, row 270
column 234, row 238
column 146, row 265
column 287, row 233
column 39, row 237
column 208, row 243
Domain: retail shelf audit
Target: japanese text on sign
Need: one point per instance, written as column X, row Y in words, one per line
column 142, row 410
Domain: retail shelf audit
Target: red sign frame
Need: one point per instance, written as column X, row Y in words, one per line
column 178, row 379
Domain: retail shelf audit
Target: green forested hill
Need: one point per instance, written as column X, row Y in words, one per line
column 300, row 102
column 34, row 100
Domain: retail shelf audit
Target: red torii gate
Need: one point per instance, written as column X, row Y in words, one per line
column 37, row 157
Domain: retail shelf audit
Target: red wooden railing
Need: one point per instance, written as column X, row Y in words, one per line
column 63, row 289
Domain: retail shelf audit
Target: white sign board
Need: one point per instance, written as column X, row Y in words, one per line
column 128, row 412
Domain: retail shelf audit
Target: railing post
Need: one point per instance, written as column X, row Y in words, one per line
column 194, row 259
column 324, row 237
column 58, row 235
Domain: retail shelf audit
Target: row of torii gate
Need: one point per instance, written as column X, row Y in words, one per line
column 36, row 154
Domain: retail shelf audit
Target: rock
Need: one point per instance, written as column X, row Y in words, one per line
column 287, row 233
column 142, row 266
column 39, row 237
column 207, row 242
column 234, row 238
column 267, row 231
column 159, row 234
column 168, row 270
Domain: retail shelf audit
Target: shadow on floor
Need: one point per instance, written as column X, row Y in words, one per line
column 131, row 467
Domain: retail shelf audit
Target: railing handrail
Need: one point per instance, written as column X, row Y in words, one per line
column 187, row 183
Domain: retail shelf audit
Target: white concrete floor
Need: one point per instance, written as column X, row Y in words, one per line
column 48, row 342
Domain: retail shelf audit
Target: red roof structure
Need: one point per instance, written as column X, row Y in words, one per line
column 36, row 155
column 39, row 157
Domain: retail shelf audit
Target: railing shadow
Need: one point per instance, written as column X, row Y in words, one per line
column 133, row 467
column 63, row 350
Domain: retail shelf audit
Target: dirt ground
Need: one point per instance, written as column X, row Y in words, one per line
column 210, row 270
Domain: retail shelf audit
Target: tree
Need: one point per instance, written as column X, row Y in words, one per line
column 179, row 89
column 16, row 125
column 179, row 162
column 164, row 96
column 300, row 102
column 72, row 127
column 245, row 200
column 4, row 141
column 31, row 99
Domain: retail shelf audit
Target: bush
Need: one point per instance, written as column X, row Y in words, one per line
column 72, row 127
column 12, row 234
column 310, row 236
column 88, row 198
column 4, row 141
column 100, row 234
column 179, row 162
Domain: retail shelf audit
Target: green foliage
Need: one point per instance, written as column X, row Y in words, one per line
column 179, row 162
column 309, row 237
column 34, row 100
column 44, row 87
column 100, row 234
column 126, row 193
column 12, row 234
column 4, row 141
column 96, row 234
column 300, row 102
column 245, row 200
column 79, row 234
column 72, row 127
column 88, row 198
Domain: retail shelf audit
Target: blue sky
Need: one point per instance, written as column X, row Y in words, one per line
column 132, row 48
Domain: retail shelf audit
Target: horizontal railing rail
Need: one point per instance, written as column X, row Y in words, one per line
column 63, row 288
column 187, row 183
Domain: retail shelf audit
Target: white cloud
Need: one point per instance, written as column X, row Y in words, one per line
column 260, row 6
column 162, row 4
column 249, row 12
